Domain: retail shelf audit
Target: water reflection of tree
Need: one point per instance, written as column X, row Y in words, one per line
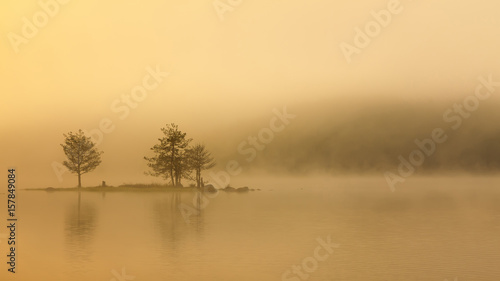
column 80, row 224
column 170, row 223
column 198, row 220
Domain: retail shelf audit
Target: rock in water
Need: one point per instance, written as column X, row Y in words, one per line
column 209, row 188
column 243, row 189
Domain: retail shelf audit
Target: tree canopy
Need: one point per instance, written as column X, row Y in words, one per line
column 82, row 154
column 175, row 160
column 200, row 159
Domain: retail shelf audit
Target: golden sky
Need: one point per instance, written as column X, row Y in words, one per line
column 224, row 66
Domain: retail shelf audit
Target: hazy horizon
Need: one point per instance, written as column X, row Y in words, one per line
column 358, row 138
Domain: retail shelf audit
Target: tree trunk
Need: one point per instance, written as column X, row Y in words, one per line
column 172, row 163
column 79, row 180
column 177, row 180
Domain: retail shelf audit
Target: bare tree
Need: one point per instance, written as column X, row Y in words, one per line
column 82, row 154
column 170, row 159
column 200, row 159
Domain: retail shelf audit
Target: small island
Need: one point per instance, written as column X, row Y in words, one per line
column 174, row 160
column 148, row 187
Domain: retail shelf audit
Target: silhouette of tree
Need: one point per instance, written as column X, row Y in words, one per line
column 83, row 156
column 200, row 159
column 171, row 160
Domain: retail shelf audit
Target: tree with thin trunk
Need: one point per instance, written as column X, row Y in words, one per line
column 170, row 155
column 200, row 159
column 182, row 168
column 82, row 153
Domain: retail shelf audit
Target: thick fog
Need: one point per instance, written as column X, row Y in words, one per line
column 337, row 137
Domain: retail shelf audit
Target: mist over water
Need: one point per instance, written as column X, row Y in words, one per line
column 430, row 229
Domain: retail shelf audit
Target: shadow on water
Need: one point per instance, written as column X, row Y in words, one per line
column 170, row 223
column 79, row 227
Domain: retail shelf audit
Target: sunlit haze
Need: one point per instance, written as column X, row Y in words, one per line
column 226, row 73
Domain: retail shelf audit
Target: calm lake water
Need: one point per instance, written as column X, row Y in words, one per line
column 429, row 229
